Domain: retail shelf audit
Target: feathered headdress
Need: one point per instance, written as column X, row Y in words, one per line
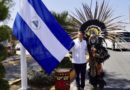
column 98, row 21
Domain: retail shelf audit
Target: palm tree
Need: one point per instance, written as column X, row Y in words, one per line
column 64, row 20
column 101, row 12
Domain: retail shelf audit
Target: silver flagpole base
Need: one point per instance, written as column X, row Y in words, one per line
column 24, row 89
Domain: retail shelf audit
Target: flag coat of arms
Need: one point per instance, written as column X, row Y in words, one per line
column 39, row 32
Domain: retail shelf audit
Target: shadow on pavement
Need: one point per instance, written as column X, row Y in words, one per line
column 116, row 89
column 119, row 50
column 116, row 83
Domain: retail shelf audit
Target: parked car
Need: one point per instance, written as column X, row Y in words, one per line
column 122, row 41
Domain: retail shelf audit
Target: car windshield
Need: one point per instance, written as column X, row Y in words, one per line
column 124, row 37
column 127, row 39
column 124, row 34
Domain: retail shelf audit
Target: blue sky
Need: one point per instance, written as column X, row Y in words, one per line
column 120, row 7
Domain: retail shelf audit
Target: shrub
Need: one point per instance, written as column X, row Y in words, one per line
column 4, row 33
column 4, row 84
column 40, row 79
column 3, row 53
column 65, row 63
column 2, row 71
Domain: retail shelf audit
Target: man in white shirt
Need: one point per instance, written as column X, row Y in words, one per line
column 79, row 60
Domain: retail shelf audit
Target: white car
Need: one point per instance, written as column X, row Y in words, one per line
column 122, row 42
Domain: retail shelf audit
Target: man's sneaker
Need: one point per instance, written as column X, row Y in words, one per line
column 78, row 88
column 82, row 89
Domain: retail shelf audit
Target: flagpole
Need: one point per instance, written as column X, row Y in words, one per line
column 23, row 62
column 24, row 85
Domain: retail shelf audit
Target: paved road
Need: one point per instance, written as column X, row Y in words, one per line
column 117, row 70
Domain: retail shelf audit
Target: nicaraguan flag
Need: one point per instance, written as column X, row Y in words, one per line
column 41, row 35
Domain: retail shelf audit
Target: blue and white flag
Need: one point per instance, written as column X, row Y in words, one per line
column 39, row 32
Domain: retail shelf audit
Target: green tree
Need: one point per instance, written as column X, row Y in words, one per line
column 4, row 9
column 3, row 12
column 4, row 35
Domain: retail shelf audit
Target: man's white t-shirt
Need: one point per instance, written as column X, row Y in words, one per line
column 79, row 52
